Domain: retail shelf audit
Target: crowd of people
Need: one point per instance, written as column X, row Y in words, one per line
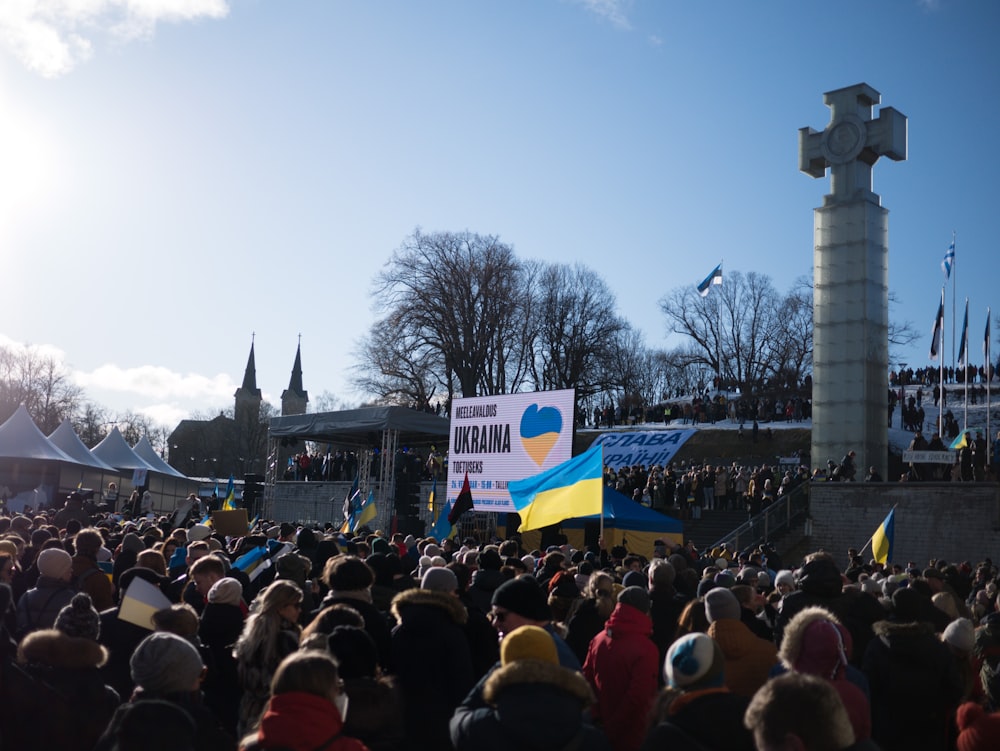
column 686, row 490
column 712, row 407
column 297, row 637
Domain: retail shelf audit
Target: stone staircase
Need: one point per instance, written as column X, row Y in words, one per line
column 712, row 526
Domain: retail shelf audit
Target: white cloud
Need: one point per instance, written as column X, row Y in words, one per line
column 51, row 37
column 612, row 10
column 165, row 414
column 156, row 382
column 43, row 350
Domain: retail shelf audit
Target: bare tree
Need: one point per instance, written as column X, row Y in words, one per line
column 454, row 295
column 91, row 424
column 39, row 382
column 621, row 365
column 133, row 426
column 327, row 401
column 734, row 330
column 791, row 352
column 395, row 369
column 577, row 327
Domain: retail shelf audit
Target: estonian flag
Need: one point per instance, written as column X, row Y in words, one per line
column 883, row 537
column 948, row 261
column 568, row 490
column 986, row 343
column 349, row 509
column 963, row 342
column 714, row 278
column 938, row 328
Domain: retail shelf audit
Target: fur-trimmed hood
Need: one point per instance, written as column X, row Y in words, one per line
column 535, row 672
column 890, row 629
column 822, row 649
column 449, row 603
column 55, row 649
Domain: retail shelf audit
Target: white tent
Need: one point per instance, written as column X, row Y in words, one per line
column 66, row 439
column 20, row 438
column 30, row 464
column 144, row 449
column 115, row 451
column 168, row 486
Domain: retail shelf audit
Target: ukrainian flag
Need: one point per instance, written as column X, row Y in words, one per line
column 883, row 537
column 442, row 528
column 960, row 442
column 368, row 512
column 571, row 489
column 230, row 503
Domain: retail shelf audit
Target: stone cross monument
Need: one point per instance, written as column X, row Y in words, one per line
column 851, row 279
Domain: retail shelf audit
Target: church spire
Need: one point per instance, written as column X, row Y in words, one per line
column 295, row 398
column 248, row 397
column 250, row 374
column 295, row 383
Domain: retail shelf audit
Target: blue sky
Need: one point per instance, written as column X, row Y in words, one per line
column 177, row 175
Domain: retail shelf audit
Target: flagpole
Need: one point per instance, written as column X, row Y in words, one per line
column 954, row 287
column 600, row 534
column 965, row 360
column 941, row 370
column 718, row 347
column 989, row 384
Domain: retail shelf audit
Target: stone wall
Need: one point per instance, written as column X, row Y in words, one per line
column 311, row 502
column 953, row 521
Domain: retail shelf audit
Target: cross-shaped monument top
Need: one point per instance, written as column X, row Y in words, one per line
column 852, row 143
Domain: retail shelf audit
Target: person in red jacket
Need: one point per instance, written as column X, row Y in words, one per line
column 307, row 708
column 622, row 664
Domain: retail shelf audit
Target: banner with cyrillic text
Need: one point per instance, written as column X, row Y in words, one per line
column 648, row 448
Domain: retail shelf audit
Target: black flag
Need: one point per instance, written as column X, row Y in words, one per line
column 463, row 503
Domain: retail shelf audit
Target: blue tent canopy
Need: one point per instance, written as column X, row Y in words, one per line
column 625, row 522
column 621, row 512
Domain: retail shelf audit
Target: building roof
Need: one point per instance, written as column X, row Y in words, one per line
column 356, row 426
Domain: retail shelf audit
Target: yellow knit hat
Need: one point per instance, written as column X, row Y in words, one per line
column 528, row 643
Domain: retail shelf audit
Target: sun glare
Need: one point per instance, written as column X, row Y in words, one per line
column 26, row 163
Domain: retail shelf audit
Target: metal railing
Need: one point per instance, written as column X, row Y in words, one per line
column 784, row 514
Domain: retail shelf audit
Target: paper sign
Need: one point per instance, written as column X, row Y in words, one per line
column 231, row 523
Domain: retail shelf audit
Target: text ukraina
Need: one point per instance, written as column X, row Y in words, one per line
column 481, row 439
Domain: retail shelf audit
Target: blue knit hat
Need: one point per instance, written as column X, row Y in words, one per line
column 694, row 662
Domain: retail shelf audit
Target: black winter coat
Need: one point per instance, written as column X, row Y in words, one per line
column 821, row 584
column 56, row 698
column 209, row 735
column 432, row 662
column 532, row 706
column 713, row 719
column 375, row 624
column 915, row 687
